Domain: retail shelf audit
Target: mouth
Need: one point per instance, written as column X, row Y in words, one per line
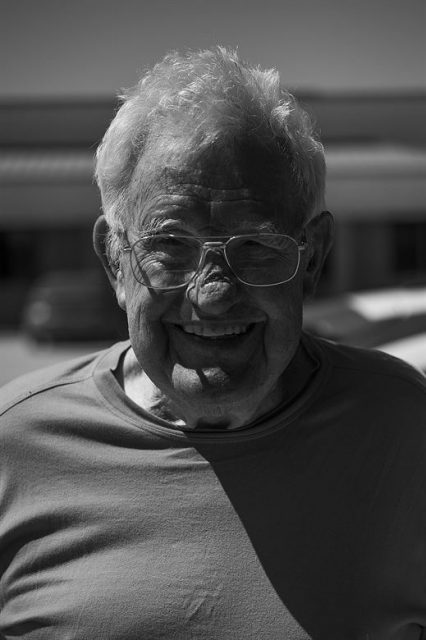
column 219, row 332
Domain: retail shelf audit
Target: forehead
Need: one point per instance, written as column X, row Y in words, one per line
column 218, row 187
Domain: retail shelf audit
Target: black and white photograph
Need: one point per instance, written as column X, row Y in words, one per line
column 213, row 320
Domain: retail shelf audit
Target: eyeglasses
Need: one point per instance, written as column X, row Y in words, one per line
column 167, row 261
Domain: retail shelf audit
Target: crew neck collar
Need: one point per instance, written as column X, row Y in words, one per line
column 114, row 396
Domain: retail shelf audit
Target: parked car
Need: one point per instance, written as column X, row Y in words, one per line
column 65, row 306
column 392, row 320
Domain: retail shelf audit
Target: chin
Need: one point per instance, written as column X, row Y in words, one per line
column 214, row 388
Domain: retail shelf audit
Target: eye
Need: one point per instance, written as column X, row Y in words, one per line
column 168, row 250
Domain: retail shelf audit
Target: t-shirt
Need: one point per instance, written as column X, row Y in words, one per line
column 309, row 524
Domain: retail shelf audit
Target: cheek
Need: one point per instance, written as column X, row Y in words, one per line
column 147, row 331
column 282, row 306
column 284, row 321
column 144, row 311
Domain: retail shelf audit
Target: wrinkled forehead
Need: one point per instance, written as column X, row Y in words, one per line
column 218, row 173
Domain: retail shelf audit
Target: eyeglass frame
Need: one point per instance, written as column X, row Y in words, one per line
column 208, row 244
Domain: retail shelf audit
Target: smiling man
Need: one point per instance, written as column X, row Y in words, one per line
column 202, row 275
column 221, row 474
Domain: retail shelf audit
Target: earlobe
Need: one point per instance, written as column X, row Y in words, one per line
column 120, row 290
column 114, row 275
column 100, row 231
column 319, row 232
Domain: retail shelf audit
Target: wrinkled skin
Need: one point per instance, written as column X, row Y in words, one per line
column 207, row 381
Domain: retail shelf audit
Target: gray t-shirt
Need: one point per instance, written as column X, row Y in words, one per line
column 310, row 524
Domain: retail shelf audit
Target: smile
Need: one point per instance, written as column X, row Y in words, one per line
column 222, row 331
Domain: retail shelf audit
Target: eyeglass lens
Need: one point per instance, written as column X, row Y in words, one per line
column 166, row 261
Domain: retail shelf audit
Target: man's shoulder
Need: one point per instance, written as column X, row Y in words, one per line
column 370, row 366
column 373, row 391
column 37, row 384
column 377, row 406
column 373, row 386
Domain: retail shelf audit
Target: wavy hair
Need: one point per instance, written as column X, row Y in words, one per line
column 210, row 97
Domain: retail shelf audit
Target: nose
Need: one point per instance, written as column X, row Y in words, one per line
column 214, row 289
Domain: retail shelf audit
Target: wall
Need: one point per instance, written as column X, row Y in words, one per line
column 94, row 47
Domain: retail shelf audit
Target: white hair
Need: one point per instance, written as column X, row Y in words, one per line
column 212, row 97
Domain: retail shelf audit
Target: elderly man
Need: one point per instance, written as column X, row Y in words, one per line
column 222, row 475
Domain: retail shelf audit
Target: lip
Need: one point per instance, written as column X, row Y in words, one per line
column 227, row 352
column 226, row 334
column 216, row 331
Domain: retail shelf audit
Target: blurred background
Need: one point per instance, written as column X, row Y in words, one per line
column 359, row 68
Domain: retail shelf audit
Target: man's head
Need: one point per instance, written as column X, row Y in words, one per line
column 206, row 146
column 202, row 101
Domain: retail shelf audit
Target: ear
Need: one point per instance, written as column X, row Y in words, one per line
column 319, row 234
column 114, row 273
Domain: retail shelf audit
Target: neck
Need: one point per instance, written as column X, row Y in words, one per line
column 224, row 416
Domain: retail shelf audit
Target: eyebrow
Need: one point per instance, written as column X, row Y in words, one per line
column 155, row 225
column 255, row 226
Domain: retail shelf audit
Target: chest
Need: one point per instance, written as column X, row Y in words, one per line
column 174, row 550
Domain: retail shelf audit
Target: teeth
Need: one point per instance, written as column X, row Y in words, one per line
column 214, row 332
